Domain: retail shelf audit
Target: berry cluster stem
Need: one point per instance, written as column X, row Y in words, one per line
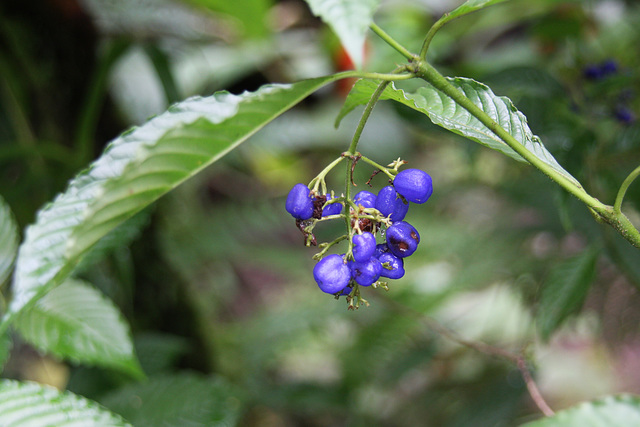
column 378, row 166
column 365, row 116
column 319, row 179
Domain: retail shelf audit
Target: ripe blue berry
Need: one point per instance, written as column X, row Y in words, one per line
column 414, row 185
column 332, row 209
column 381, row 248
column 299, row 204
column 365, row 198
column 365, row 273
column 389, row 203
column 364, row 245
column 332, row 274
column 624, row 115
column 396, row 265
column 609, row 67
column 402, row 239
column 592, row 72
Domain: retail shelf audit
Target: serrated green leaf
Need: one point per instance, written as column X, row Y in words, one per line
column 444, row 111
column 35, row 405
column 611, row 411
column 350, row 20
column 75, row 321
column 565, row 290
column 137, row 168
column 184, row 399
column 8, row 240
column 468, row 7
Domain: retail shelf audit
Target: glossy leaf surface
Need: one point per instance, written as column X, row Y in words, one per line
column 444, row 111
column 136, row 169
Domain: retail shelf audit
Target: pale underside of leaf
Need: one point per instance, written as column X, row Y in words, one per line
column 444, row 111
column 350, row 20
column 31, row 404
column 136, row 169
column 75, row 321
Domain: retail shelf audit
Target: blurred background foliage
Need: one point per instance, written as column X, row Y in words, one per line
column 227, row 320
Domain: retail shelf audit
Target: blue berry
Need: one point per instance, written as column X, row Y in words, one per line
column 332, row 274
column 299, row 203
column 364, row 246
column 396, row 265
column 402, row 239
column 381, row 248
column 624, row 115
column 592, row 72
column 365, row 198
column 414, row 185
column 365, row 273
column 609, row 67
column 332, row 209
column 389, row 203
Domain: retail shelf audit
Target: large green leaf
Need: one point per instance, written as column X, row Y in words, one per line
column 468, row 7
column 75, row 321
column 8, row 240
column 136, row 169
column 565, row 290
column 350, row 20
column 34, row 405
column 184, row 399
column 611, row 411
column 444, row 111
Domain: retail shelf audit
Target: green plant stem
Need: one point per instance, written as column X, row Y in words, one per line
column 375, row 76
column 604, row 212
column 432, row 32
column 378, row 166
column 365, row 116
column 391, row 42
column 320, row 177
column 617, row 206
column 428, row 73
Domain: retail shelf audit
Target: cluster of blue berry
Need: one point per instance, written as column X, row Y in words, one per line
column 602, row 71
column 368, row 214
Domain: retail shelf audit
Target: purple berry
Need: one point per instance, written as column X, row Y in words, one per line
column 365, row 198
column 299, row 203
column 381, row 248
column 389, row 202
column 364, row 245
column 332, row 274
column 609, row 67
column 624, row 115
column 396, row 265
column 402, row 239
column 332, row 209
column 592, row 72
column 414, row 185
column 365, row 273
